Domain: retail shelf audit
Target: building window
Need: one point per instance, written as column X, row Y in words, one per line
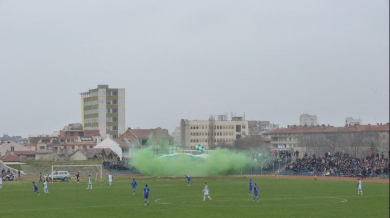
column 112, row 119
column 12, row 148
column 112, row 110
column 111, row 102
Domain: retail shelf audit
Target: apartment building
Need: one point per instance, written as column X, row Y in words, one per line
column 261, row 127
column 103, row 109
column 319, row 138
column 308, row 120
column 213, row 132
column 352, row 121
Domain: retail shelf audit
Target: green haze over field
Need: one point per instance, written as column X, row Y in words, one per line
column 219, row 162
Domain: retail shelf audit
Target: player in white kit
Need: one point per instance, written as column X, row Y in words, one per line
column 1, row 182
column 110, row 179
column 45, row 189
column 206, row 192
column 89, row 182
column 359, row 187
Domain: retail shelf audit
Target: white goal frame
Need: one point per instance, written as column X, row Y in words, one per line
column 92, row 165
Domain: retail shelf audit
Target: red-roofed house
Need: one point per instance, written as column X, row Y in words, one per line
column 27, row 154
column 13, row 158
column 8, row 147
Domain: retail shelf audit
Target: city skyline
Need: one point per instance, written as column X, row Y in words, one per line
column 272, row 61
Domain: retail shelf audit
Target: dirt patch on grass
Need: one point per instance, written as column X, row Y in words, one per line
column 323, row 178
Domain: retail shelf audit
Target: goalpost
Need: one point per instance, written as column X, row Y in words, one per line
column 83, row 169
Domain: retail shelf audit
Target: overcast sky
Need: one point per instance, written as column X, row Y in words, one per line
column 272, row 60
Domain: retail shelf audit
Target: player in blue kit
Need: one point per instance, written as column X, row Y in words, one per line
column 35, row 188
column 146, row 195
column 188, row 179
column 250, row 186
column 134, row 185
column 256, row 194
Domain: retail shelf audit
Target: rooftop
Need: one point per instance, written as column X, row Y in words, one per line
column 329, row 129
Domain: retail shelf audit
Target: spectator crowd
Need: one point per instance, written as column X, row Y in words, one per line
column 7, row 175
column 115, row 165
column 341, row 164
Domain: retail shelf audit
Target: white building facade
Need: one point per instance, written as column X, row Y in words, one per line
column 212, row 133
column 261, row 127
column 308, row 120
column 352, row 121
column 103, row 109
column 176, row 136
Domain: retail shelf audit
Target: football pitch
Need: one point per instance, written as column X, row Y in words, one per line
column 172, row 198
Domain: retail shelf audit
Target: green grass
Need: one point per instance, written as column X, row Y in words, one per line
column 174, row 199
column 15, row 166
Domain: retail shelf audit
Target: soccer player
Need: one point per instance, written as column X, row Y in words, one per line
column 146, row 195
column 89, row 182
column 250, row 186
column 188, row 179
column 256, row 194
column 35, row 188
column 110, row 179
column 1, row 182
column 40, row 178
column 206, row 192
column 45, row 189
column 359, row 187
column 134, row 185
column 77, row 176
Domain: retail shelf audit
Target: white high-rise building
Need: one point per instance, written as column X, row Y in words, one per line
column 103, row 109
column 176, row 136
column 261, row 127
column 351, row 121
column 308, row 120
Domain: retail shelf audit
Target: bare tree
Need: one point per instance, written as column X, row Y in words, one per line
column 371, row 140
column 354, row 143
column 249, row 142
column 334, row 141
column 314, row 143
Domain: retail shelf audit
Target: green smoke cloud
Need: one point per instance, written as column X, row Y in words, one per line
column 219, row 162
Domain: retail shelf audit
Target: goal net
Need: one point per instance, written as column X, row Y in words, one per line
column 95, row 171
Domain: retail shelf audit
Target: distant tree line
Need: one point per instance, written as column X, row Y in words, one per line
column 353, row 143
